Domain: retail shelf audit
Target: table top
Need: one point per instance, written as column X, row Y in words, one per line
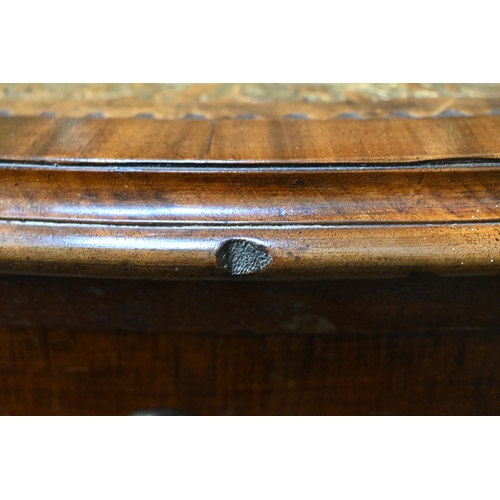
column 280, row 198
column 283, row 142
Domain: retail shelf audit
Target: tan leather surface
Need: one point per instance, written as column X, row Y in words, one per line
column 316, row 101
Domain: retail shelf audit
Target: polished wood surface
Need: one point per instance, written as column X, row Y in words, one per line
column 229, row 239
column 165, row 195
column 421, row 345
column 121, row 141
column 105, row 209
column 298, row 252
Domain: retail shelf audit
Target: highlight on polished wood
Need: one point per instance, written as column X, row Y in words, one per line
column 314, row 250
column 278, row 141
column 278, row 199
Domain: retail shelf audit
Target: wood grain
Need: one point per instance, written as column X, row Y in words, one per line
column 415, row 346
column 296, row 252
column 421, row 302
column 107, row 210
column 163, row 195
column 115, row 141
column 225, row 236
column 80, row 373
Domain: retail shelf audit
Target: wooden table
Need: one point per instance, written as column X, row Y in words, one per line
column 250, row 266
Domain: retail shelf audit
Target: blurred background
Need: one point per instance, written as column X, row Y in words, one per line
column 249, row 100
